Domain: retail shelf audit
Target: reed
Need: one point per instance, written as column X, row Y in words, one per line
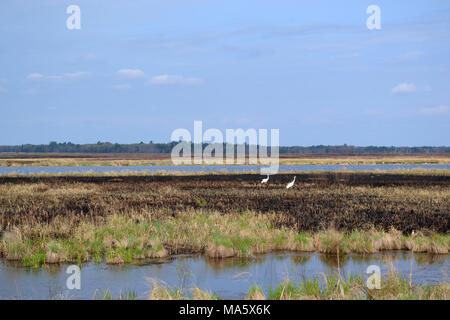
column 393, row 287
column 119, row 238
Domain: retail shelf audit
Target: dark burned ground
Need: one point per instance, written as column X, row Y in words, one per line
column 212, row 180
column 344, row 201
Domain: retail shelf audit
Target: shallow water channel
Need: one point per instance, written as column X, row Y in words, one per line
column 215, row 168
column 228, row 278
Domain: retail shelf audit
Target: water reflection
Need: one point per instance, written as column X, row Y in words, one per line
column 217, row 168
column 229, row 278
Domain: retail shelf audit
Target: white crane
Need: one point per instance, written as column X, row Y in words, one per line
column 290, row 184
column 265, row 180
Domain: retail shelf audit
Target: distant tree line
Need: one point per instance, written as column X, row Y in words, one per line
column 348, row 149
column 151, row 147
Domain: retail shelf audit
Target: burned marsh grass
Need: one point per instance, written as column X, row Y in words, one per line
column 344, row 201
column 126, row 218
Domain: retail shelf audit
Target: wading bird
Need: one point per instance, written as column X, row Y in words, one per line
column 265, row 180
column 290, row 184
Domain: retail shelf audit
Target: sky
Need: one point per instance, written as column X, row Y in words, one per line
column 137, row 70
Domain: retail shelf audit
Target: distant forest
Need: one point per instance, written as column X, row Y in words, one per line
column 107, row 147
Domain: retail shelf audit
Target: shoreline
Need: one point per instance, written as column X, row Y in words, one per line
column 286, row 162
column 125, row 240
column 142, row 159
column 130, row 173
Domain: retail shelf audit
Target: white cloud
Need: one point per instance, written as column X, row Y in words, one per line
column 75, row 75
column 131, row 73
column 373, row 112
column 55, row 78
column 66, row 76
column 410, row 56
column 2, row 89
column 34, row 76
column 166, row 79
column 91, row 57
column 346, row 56
column 404, row 88
column 122, row 87
column 31, row 91
column 435, row 111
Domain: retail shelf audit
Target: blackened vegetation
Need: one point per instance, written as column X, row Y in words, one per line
column 344, row 201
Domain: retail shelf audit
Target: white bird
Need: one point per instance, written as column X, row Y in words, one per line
column 265, row 180
column 290, row 184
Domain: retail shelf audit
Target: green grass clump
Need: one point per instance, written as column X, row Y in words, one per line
column 284, row 291
column 106, row 295
column 122, row 238
column 393, row 287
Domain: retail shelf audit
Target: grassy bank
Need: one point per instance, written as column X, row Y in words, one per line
column 146, row 235
column 332, row 287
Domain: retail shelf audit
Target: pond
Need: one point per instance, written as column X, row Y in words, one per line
column 228, row 278
column 215, row 168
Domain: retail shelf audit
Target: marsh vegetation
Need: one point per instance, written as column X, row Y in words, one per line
column 52, row 219
column 142, row 159
column 331, row 287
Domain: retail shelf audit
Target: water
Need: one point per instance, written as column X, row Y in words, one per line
column 215, row 168
column 228, row 278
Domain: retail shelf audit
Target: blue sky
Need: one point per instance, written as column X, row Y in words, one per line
column 137, row 70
